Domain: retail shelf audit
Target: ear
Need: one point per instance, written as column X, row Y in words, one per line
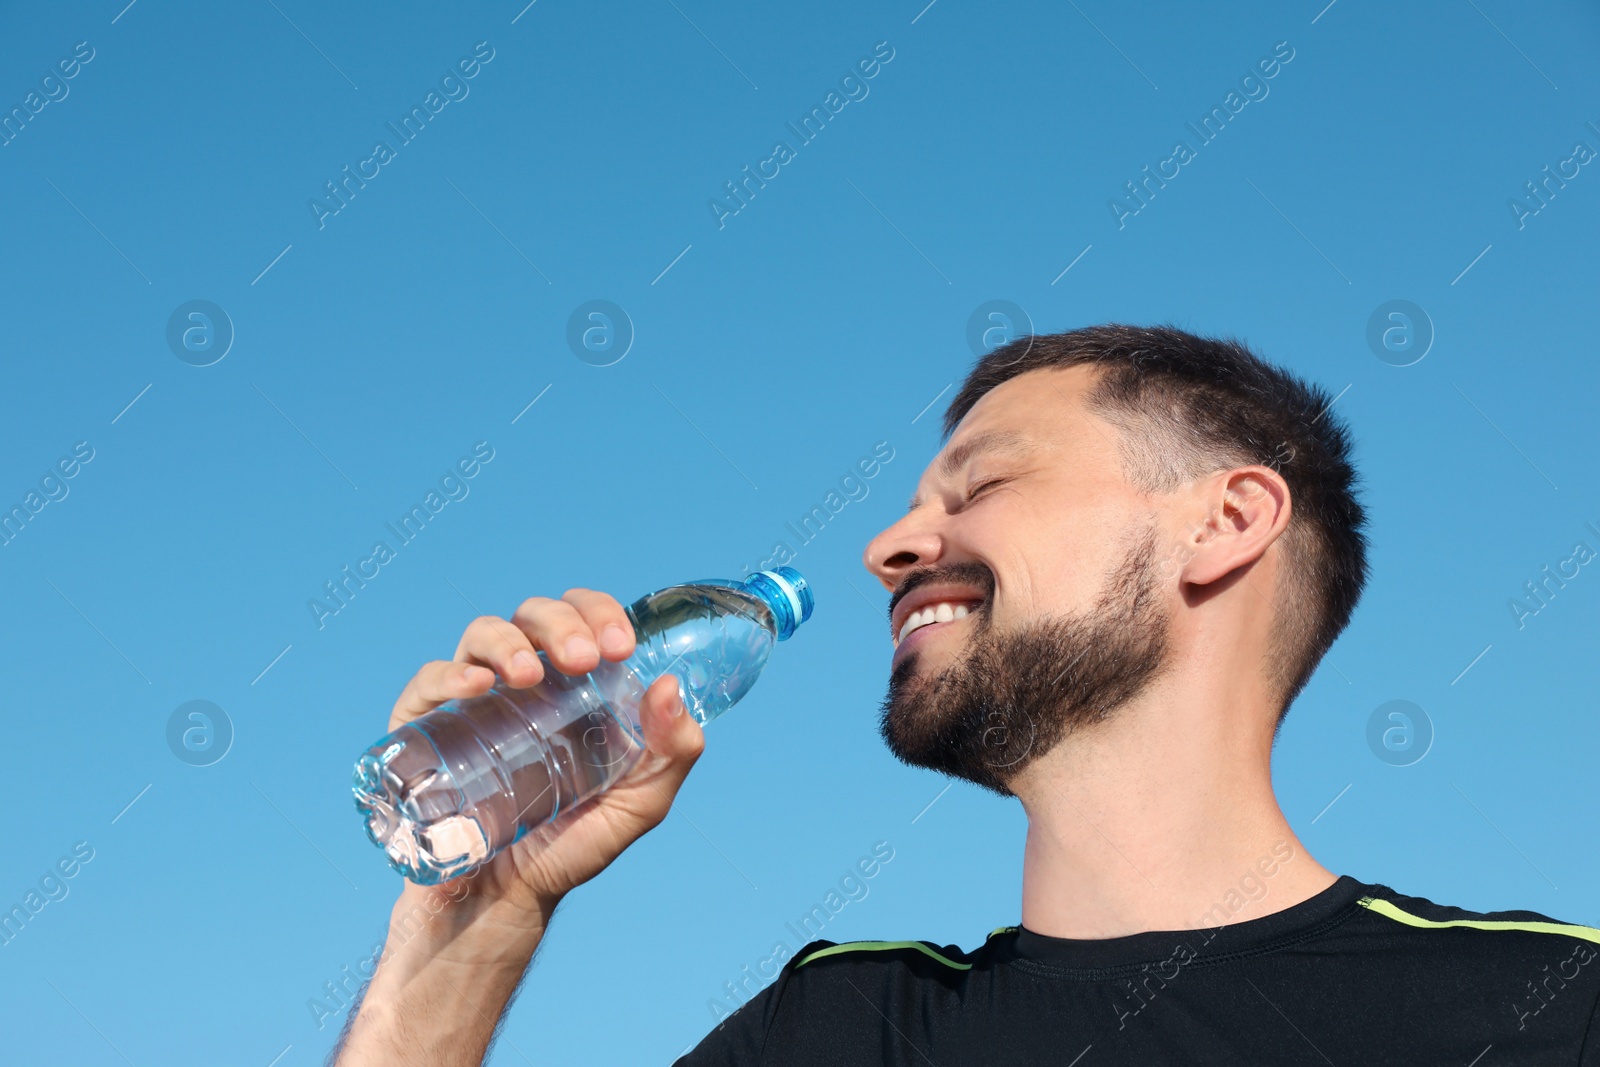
column 1247, row 510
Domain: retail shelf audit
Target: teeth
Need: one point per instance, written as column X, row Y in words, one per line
column 941, row 612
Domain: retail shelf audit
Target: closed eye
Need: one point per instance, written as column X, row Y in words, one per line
column 981, row 487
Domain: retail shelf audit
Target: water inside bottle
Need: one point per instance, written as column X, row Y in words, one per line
column 437, row 806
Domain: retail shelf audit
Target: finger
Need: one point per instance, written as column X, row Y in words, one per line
column 669, row 730
column 497, row 644
column 606, row 619
column 436, row 683
column 555, row 627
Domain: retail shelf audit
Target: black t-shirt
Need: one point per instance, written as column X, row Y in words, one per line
column 1356, row 975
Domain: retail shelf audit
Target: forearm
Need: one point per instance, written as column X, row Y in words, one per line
column 448, row 970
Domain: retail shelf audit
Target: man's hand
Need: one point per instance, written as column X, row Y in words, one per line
column 456, row 951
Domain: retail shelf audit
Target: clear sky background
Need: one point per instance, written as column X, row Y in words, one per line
column 374, row 347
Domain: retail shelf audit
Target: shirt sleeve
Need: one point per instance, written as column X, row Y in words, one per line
column 739, row 1040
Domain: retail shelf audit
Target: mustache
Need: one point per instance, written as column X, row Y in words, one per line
column 966, row 572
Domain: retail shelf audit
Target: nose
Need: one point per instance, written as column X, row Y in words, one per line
column 911, row 542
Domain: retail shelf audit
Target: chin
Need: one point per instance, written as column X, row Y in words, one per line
column 924, row 727
column 986, row 707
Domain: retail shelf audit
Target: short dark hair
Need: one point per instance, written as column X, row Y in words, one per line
column 1188, row 406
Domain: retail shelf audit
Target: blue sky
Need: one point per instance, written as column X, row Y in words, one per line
column 770, row 348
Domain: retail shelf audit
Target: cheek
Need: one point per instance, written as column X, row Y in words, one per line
column 1050, row 562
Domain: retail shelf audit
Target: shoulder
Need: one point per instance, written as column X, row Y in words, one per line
column 914, row 957
column 826, row 980
column 1425, row 920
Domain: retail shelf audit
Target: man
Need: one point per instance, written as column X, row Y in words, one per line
column 1112, row 582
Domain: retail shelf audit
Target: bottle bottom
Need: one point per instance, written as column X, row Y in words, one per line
column 426, row 848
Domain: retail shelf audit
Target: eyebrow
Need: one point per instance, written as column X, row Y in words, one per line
column 1005, row 441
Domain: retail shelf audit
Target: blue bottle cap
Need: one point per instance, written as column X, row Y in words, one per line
column 787, row 593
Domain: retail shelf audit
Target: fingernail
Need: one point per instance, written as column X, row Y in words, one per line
column 613, row 638
column 470, row 675
column 523, row 660
column 578, row 648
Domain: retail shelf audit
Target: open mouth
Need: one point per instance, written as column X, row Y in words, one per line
column 933, row 601
column 927, row 621
column 933, row 615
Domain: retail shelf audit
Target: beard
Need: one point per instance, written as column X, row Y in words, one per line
column 1014, row 695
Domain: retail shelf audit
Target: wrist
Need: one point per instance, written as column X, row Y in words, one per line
column 460, row 923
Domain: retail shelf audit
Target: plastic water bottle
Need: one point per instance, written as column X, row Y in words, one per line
column 452, row 788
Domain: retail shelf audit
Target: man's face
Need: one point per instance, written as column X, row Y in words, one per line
column 1027, row 599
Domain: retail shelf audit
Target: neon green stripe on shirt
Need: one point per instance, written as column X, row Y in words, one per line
column 1383, row 907
column 878, row 946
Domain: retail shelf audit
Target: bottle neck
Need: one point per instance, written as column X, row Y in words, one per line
column 785, row 595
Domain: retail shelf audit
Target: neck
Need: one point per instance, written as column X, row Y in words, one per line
column 1161, row 818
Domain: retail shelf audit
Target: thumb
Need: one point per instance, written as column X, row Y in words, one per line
column 669, row 730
